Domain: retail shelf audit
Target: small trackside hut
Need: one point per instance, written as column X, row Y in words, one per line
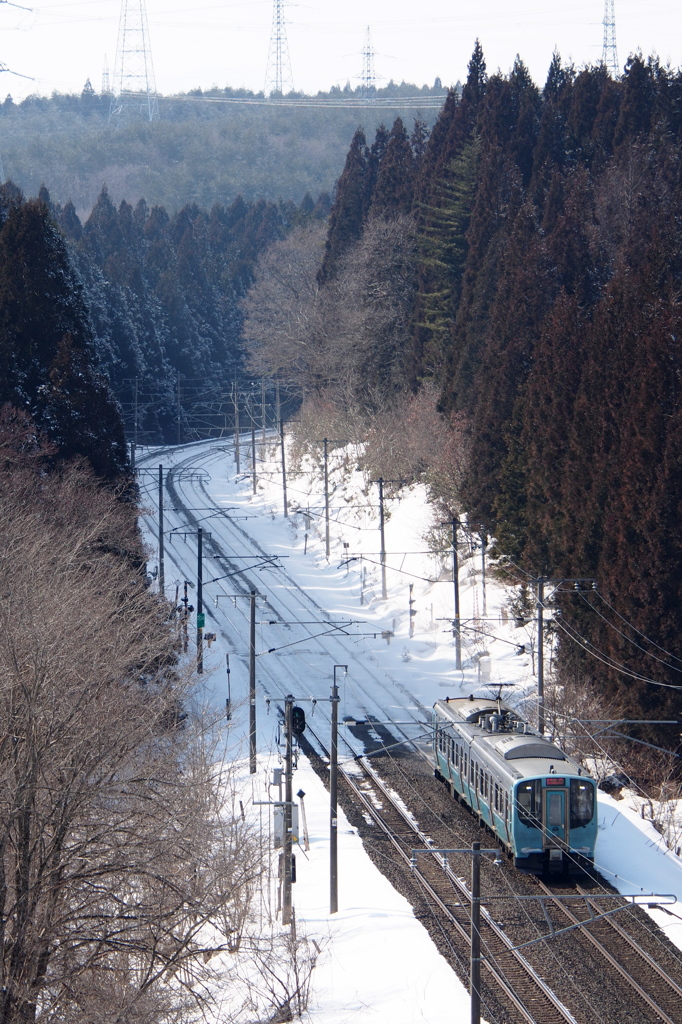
column 538, row 801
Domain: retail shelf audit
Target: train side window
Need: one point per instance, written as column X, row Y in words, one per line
column 528, row 796
column 497, row 796
column 506, row 806
column 581, row 802
column 456, row 755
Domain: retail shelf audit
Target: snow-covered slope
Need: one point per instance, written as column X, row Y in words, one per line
column 391, row 674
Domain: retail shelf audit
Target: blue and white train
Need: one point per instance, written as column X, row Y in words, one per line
column 535, row 798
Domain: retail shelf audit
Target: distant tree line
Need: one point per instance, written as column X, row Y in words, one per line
column 207, row 146
column 525, row 262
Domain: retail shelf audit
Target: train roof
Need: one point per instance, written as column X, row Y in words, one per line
column 470, row 709
column 518, row 749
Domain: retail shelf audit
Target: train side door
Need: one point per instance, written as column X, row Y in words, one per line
column 556, row 808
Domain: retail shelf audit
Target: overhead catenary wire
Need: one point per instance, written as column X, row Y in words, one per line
column 673, row 668
column 590, row 649
column 638, row 631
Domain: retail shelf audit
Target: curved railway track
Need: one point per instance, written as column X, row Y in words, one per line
column 286, row 601
column 517, row 984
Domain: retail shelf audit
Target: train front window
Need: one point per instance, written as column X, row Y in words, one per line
column 582, row 802
column 555, row 809
column 528, row 797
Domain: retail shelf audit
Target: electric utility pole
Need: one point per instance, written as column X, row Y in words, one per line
column 288, row 797
column 278, row 76
column 200, row 534
column 284, row 469
column 333, row 799
column 382, row 553
column 475, row 968
column 135, row 413
column 609, row 50
column 262, row 416
column 179, row 407
column 541, row 656
column 382, row 533
column 454, row 524
column 162, row 575
column 325, row 442
column 134, row 92
column 200, row 601
column 253, row 448
column 235, row 395
column 540, row 583
column 475, row 933
column 252, row 683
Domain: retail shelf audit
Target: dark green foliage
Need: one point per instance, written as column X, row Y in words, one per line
column 164, row 294
column 566, row 349
column 443, row 228
column 547, row 308
column 392, row 193
column 353, row 196
column 46, row 341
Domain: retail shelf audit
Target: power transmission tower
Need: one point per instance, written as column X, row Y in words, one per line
column 278, row 76
column 610, row 53
column 106, row 78
column 368, row 81
column 134, row 88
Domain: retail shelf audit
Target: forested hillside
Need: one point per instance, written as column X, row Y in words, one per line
column 524, row 263
column 206, row 147
column 48, row 358
column 163, row 294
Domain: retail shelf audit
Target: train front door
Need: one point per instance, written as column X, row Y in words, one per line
column 555, row 817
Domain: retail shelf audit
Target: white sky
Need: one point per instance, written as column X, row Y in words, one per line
column 62, row 43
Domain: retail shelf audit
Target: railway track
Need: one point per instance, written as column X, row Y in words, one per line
column 623, row 954
column 517, row 985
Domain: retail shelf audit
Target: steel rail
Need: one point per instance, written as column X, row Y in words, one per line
column 622, row 971
column 649, row 960
column 527, row 967
column 495, row 974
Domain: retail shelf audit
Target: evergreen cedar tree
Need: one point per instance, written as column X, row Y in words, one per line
column 131, row 293
column 46, row 351
column 546, row 308
column 164, row 291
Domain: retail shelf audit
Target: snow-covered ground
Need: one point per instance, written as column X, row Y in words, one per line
column 377, row 958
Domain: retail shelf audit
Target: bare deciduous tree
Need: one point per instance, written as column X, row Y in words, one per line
column 282, row 309
column 117, row 862
column 349, row 338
